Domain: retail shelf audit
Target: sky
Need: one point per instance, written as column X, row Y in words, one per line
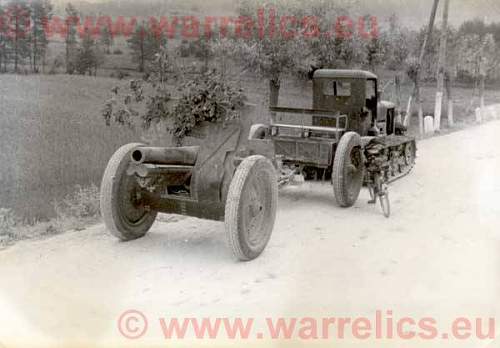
column 413, row 13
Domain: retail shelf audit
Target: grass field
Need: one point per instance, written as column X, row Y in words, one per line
column 52, row 135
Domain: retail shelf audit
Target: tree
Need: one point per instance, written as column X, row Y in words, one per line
column 352, row 52
column 145, row 44
column 478, row 58
column 202, row 48
column 374, row 53
column 70, row 41
column 200, row 98
column 477, row 55
column 41, row 11
column 476, row 26
column 90, row 55
column 271, row 57
column 429, row 65
column 480, row 41
column 328, row 39
column 4, row 41
column 19, row 17
column 222, row 49
column 398, row 43
column 106, row 39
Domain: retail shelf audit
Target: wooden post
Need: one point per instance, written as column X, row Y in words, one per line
column 441, row 68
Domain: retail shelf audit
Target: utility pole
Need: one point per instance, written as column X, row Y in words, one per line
column 416, row 91
column 441, row 67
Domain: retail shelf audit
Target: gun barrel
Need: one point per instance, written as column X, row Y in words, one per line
column 166, row 155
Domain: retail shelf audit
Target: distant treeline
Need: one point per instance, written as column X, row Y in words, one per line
column 473, row 47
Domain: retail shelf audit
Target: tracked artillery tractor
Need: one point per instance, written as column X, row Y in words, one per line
column 223, row 173
column 350, row 137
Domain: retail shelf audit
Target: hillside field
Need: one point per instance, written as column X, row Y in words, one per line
column 52, row 137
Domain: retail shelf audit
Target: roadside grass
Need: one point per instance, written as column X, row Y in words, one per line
column 76, row 211
column 7, row 225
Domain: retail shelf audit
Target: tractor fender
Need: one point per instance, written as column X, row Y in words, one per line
column 258, row 131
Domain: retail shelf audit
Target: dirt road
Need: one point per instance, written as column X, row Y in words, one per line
column 437, row 256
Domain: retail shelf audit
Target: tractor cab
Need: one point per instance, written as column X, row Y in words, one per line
column 353, row 93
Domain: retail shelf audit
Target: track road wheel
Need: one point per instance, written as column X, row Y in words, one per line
column 251, row 207
column 122, row 214
column 348, row 170
column 410, row 154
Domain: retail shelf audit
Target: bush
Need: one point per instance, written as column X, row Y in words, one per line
column 75, row 212
column 202, row 98
column 185, row 49
column 7, row 223
column 206, row 98
column 82, row 204
column 120, row 75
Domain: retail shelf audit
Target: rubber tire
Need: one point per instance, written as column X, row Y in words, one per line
column 251, row 166
column 109, row 198
column 346, row 195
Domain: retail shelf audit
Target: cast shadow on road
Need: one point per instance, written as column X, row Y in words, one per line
column 306, row 197
column 203, row 241
column 195, row 239
column 319, row 195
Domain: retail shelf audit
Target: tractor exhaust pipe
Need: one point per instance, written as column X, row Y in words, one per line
column 165, row 155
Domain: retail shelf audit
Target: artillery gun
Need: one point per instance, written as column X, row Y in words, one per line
column 204, row 179
column 348, row 137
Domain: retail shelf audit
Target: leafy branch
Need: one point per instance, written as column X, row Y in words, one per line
column 200, row 98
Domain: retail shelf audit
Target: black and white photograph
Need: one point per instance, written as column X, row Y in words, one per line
column 268, row 173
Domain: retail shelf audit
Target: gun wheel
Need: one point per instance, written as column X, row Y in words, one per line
column 348, row 170
column 121, row 210
column 251, row 206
